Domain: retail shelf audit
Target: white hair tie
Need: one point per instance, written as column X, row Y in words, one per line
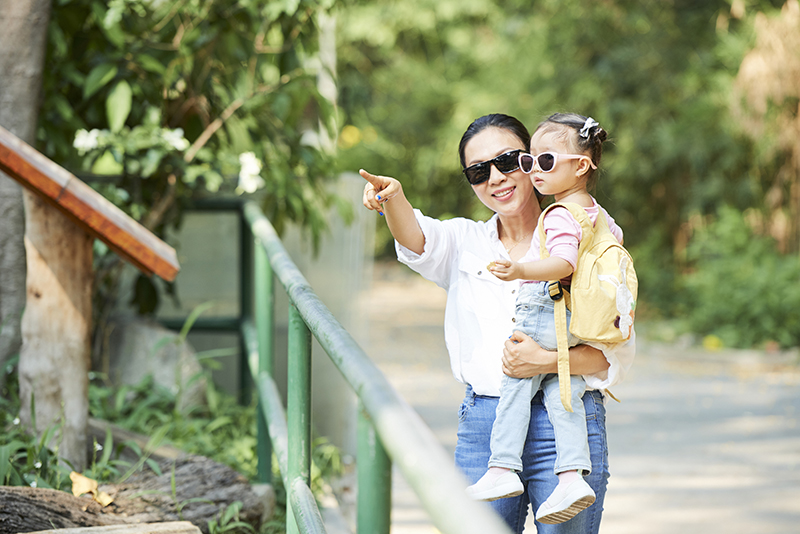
column 587, row 126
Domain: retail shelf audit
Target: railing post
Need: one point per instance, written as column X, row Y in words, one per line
column 265, row 327
column 373, row 510
column 299, row 407
column 245, row 303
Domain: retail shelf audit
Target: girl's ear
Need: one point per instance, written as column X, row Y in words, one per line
column 584, row 166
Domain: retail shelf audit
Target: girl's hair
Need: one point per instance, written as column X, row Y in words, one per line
column 497, row 120
column 591, row 144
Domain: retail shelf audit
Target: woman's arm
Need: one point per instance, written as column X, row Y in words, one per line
column 523, row 358
column 385, row 195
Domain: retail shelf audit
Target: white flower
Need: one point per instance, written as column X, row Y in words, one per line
column 34, row 484
column 175, row 138
column 37, row 465
column 86, row 141
column 16, row 421
column 249, row 179
column 98, row 447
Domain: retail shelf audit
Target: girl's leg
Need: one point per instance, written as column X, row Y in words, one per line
column 572, row 442
column 573, row 494
column 509, row 431
column 510, row 428
column 476, row 417
column 539, row 459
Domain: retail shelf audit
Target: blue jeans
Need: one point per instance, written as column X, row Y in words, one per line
column 476, row 418
column 534, row 317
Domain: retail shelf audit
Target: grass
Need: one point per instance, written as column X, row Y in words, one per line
column 222, row 430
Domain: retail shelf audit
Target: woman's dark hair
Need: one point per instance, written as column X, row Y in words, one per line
column 591, row 144
column 497, row 120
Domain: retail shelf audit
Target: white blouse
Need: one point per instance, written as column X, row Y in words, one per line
column 479, row 314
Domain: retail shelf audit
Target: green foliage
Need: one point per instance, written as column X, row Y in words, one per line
column 657, row 75
column 738, row 287
column 28, row 461
column 223, row 430
column 168, row 96
column 228, row 521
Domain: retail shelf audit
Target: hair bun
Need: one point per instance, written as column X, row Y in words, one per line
column 599, row 133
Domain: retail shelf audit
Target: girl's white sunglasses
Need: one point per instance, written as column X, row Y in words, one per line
column 547, row 161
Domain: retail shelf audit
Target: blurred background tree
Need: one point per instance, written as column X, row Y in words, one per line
column 179, row 99
column 175, row 99
column 692, row 133
column 156, row 102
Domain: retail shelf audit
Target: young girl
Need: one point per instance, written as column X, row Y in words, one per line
column 565, row 152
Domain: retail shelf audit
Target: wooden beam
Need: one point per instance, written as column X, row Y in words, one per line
column 86, row 207
column 172, row 527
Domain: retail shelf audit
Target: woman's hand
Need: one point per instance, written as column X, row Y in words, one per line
column 524, row 358
column 385, row 195
column 505, row 270
column 378, row 190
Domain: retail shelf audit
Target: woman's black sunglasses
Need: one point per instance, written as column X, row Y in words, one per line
column 505, row 163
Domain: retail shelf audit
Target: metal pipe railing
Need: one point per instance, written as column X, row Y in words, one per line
column 389, row 430
column 401, row 434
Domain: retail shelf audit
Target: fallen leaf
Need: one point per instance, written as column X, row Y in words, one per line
column 82, row 484
column 103, row 498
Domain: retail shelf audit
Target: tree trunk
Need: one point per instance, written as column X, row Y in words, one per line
column 191, row 488
column 55, row 328
column 22, row 46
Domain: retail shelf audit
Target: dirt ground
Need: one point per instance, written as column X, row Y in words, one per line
column 701, row 442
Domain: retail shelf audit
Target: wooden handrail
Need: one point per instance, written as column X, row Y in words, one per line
column 86, row 207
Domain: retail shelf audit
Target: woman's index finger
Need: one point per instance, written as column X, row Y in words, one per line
column 371, row 178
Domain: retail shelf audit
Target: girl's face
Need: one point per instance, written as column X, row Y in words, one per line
column 506, row 194
column 568, row 176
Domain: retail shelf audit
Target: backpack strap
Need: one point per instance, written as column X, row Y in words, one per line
column 564, row 383
column 560, row 296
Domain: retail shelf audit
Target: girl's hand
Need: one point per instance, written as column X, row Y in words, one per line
column 524, row 358
column 505, row 270
column 378, row 190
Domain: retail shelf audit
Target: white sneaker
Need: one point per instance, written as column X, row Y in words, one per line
column 566, row 501
column 490, row 488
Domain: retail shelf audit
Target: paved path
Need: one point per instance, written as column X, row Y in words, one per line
column 702, row 442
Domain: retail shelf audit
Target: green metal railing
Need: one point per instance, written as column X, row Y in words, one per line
column 389, row 431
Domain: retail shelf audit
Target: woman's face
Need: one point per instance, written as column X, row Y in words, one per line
column 506, row 194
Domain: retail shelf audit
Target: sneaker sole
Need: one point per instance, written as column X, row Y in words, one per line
column 513, row 493
column 501, row 492
column 562, row 516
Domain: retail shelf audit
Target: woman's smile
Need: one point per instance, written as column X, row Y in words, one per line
column 504, row 194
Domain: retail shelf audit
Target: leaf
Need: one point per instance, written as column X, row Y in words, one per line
column 82, row 484
column 151, row 64
column 107, row 164
column 98, row 78
column 118, row 105
column 6, row 452
column 193, row 316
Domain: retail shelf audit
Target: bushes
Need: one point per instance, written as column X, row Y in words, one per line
column 739, row 287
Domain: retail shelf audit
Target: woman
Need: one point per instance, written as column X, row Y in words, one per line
column 480, row 310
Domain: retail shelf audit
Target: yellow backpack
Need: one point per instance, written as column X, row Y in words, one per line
column 602, row 295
